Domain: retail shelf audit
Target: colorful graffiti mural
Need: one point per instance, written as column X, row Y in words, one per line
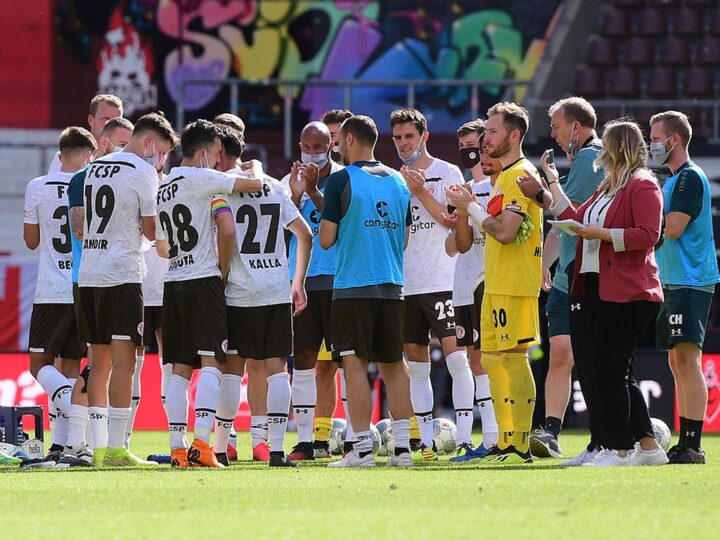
column 361, row 40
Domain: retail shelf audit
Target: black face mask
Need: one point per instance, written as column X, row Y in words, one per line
column 335, row 154
column 469, row 157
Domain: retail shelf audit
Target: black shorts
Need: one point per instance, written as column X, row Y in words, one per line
column 153, row 321
column 108, row 313
column 557, row 308
column 54, row 331
column 194, row 321
column 313, row 325
column 428, row 312
column 260, row 332
column 369, row 328
column 467, row 320
column 683, row 317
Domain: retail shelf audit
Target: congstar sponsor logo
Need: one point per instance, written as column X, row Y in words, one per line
column 382, row 221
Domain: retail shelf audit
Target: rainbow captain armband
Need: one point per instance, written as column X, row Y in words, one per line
column 219, row 206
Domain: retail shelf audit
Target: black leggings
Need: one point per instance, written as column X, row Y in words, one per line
column 604, row 336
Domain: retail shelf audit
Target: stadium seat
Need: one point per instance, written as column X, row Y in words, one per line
column 664, row 3
column 708, row 52
column 629, row 4
column 651, row 22
column 615, row 22
column 661, row 82
column 624, row 82
column 602, row 51
column 688, row 22
column 715, row 22
column 589, row 82
column 698, row 82
column 642, row 114
column 701, row 3
column 675, row 51
column 639, row 52
column 605, row 113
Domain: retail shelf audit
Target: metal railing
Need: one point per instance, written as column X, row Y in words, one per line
column 347, row 86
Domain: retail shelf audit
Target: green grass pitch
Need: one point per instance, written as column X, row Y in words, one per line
column 435, row 501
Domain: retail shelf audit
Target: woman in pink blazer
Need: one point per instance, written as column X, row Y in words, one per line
column 616, row 290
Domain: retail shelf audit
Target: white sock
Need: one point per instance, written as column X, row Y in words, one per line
column 206, row 399
column 117, row 422
column 421, row 396
column 463, row 389
column 278, row 406
column 487, row 413
column 176, row 403
column 349, row 433
column 77, row 424
column 59, row 391
column 135, row 403
column 99, row 425
column 232, row 439
column 304, row 398
column 258, row 429
column 401, row 433
column 165, row 374
column 363, row 442
column 228, row 403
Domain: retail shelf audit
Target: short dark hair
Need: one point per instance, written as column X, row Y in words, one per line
column 230, row 120
column 335, row 116
column 115, row 123
column 473, row 126
column 514, row 116
column 76, row 138
column 576, row 109
column 197, row 135
column 110, row 99
column 409, row 116
column 232, row 140
column 363, row 129
column 674, row 122
column 159, row 125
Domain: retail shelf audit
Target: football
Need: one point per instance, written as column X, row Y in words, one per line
column 376, row 439
column 382, row 427
column 337, row 436
column 662, row 433
column 444, row 434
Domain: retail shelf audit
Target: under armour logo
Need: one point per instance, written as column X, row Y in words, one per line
column 462, row 413
column 676, row 332
column 504, row 337
column 690, row 433
column 574, row 307
column 303, row 411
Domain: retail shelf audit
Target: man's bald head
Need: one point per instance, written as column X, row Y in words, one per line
column 316, row 129
column 315, row 138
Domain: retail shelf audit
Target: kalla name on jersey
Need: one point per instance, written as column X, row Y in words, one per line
column 263, row 264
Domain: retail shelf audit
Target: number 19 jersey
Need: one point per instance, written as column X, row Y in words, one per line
column 119, row 189
column 185, row 220
column 46, row 205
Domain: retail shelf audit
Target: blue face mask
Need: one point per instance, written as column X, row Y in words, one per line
column 412, row 158
column 153, row 159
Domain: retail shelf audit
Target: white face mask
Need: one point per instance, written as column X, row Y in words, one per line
column 658, row 152
column 207, row 162
column 118, row 148
column 153, row 159
column 321, row 160
column 412, row 158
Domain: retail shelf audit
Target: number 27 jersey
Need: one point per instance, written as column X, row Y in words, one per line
column 185, row 220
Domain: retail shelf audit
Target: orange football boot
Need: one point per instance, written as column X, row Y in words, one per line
column 201, row 455
column 178, row 458
column 261, row 452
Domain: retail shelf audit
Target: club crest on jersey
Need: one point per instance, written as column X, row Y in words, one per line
column 459, row 332
column 141, row 328
column 125, row 66
column 476, row 335
column 431, row 190
column 224, row 346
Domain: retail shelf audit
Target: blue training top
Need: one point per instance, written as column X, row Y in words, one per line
column 75, row 198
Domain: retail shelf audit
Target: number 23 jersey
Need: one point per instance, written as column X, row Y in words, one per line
column 119, row 189
column 185, row 220
column 259, row 269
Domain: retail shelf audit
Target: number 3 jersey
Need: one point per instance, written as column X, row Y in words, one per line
column 185, row 220
column 46, row 205
column 259, row 269
column 119, row 189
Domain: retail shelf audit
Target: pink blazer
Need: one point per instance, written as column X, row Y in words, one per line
column 628, row 271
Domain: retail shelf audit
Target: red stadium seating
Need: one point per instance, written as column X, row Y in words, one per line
column 615, row 22
column 605, row 113
column 639, row 52
column 675, row 51
column 602, row 51
column 624, row 82
column 698, row 83
column 589, row 82
column 688, row 22
column 651, row 22
column 661, row 83
column 708, row 53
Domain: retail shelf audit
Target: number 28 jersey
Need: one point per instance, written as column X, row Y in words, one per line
column 259, row 269
column 46, row 205
column 120, row 188
column 185, row 220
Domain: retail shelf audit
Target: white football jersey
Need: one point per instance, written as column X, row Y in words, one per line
column 46, row 205
column 185, row 220
column 259, row 270
column 152, row 285
column 428, row 269
column 470, row 266
column 119, row 189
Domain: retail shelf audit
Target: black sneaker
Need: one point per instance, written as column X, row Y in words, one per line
column 279, row 459
column 544, row 444
column 414, row 445
column 302, row 451
column 687, row 456
column 673, row 450
column 81, row 458
column 222, row 459
column 48, row 462
column 321, row 449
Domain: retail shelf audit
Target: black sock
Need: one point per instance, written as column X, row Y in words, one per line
column 56, row 448
column 693, row 432
column 681, row 437
column 279, row 454
column 553, row 425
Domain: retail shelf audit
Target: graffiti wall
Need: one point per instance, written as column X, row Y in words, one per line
column 143, row 49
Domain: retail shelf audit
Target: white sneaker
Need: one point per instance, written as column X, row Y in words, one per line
column 583, row 458
column 403, row 460
column 353, row 460
column 609, row 458
column 647, row 457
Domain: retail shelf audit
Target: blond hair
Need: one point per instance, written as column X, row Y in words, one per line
column 624, row 154
column 110, row 99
